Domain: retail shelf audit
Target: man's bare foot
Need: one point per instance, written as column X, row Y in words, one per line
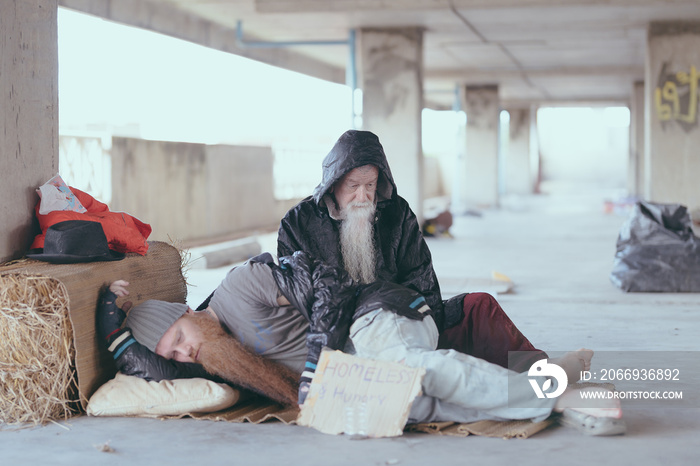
column 574, row 362
column 601, row 406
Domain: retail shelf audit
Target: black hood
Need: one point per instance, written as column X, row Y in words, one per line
column 354, row 149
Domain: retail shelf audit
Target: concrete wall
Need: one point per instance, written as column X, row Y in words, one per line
column 195, row 193
column 672, row 130
column 29, row 114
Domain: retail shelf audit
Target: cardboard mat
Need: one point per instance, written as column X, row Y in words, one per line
column 254, row 410
column 257, row 411
column 502, row 429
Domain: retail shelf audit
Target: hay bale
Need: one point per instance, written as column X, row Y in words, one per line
column 37, row 356
column 157, row 275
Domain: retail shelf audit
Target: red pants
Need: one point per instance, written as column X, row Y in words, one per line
column 487, row 333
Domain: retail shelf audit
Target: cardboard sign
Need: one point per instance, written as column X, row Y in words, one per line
column 358, row 396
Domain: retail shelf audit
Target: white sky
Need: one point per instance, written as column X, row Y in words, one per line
column 176, row 90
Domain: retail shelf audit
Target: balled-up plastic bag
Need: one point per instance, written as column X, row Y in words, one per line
column 657, row 250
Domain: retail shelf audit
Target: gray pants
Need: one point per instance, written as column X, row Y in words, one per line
column 456, row 387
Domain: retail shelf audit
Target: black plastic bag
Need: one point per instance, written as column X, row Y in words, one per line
column 657, row 250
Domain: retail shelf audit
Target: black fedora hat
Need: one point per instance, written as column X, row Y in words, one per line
column 75, row 241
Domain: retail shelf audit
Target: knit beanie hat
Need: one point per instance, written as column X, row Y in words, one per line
column 149, row 320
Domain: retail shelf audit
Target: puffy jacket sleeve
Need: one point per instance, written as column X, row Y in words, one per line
column 326, row 295
column 415, row 264
column 332, row 308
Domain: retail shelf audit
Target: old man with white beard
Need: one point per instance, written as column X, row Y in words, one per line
column 356, row 220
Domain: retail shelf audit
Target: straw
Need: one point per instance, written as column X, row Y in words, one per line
column 37, row 369
column 185, row 257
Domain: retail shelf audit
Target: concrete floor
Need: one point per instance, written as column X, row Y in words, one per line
column 558, row 250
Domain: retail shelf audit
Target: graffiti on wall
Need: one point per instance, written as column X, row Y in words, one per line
column 676, row 97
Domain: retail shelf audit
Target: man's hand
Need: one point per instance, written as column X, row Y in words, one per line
column 303, row 392
column 118, row 287
column 109, row 317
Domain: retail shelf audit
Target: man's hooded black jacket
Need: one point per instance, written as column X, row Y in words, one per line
column 402, row 254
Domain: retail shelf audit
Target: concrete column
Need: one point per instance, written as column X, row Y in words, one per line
column 29, row 115
column 518, row 179
column 535, row 166
column 672, row 132
column 390, row 74
column 635, row 167
column 479, row 179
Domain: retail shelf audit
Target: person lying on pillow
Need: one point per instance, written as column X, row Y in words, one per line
column 389, row 322
column 247, row 319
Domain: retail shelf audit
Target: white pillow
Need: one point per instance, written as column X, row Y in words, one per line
column 127, row 395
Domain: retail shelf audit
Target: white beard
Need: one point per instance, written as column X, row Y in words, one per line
column 357, row 241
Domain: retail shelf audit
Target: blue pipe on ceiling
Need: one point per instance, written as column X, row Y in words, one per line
column 351, row 71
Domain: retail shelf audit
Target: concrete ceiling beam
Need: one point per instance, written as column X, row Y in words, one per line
column 467, row 75
column 347, row 6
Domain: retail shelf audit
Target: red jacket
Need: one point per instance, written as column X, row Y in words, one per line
column 124, row 233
